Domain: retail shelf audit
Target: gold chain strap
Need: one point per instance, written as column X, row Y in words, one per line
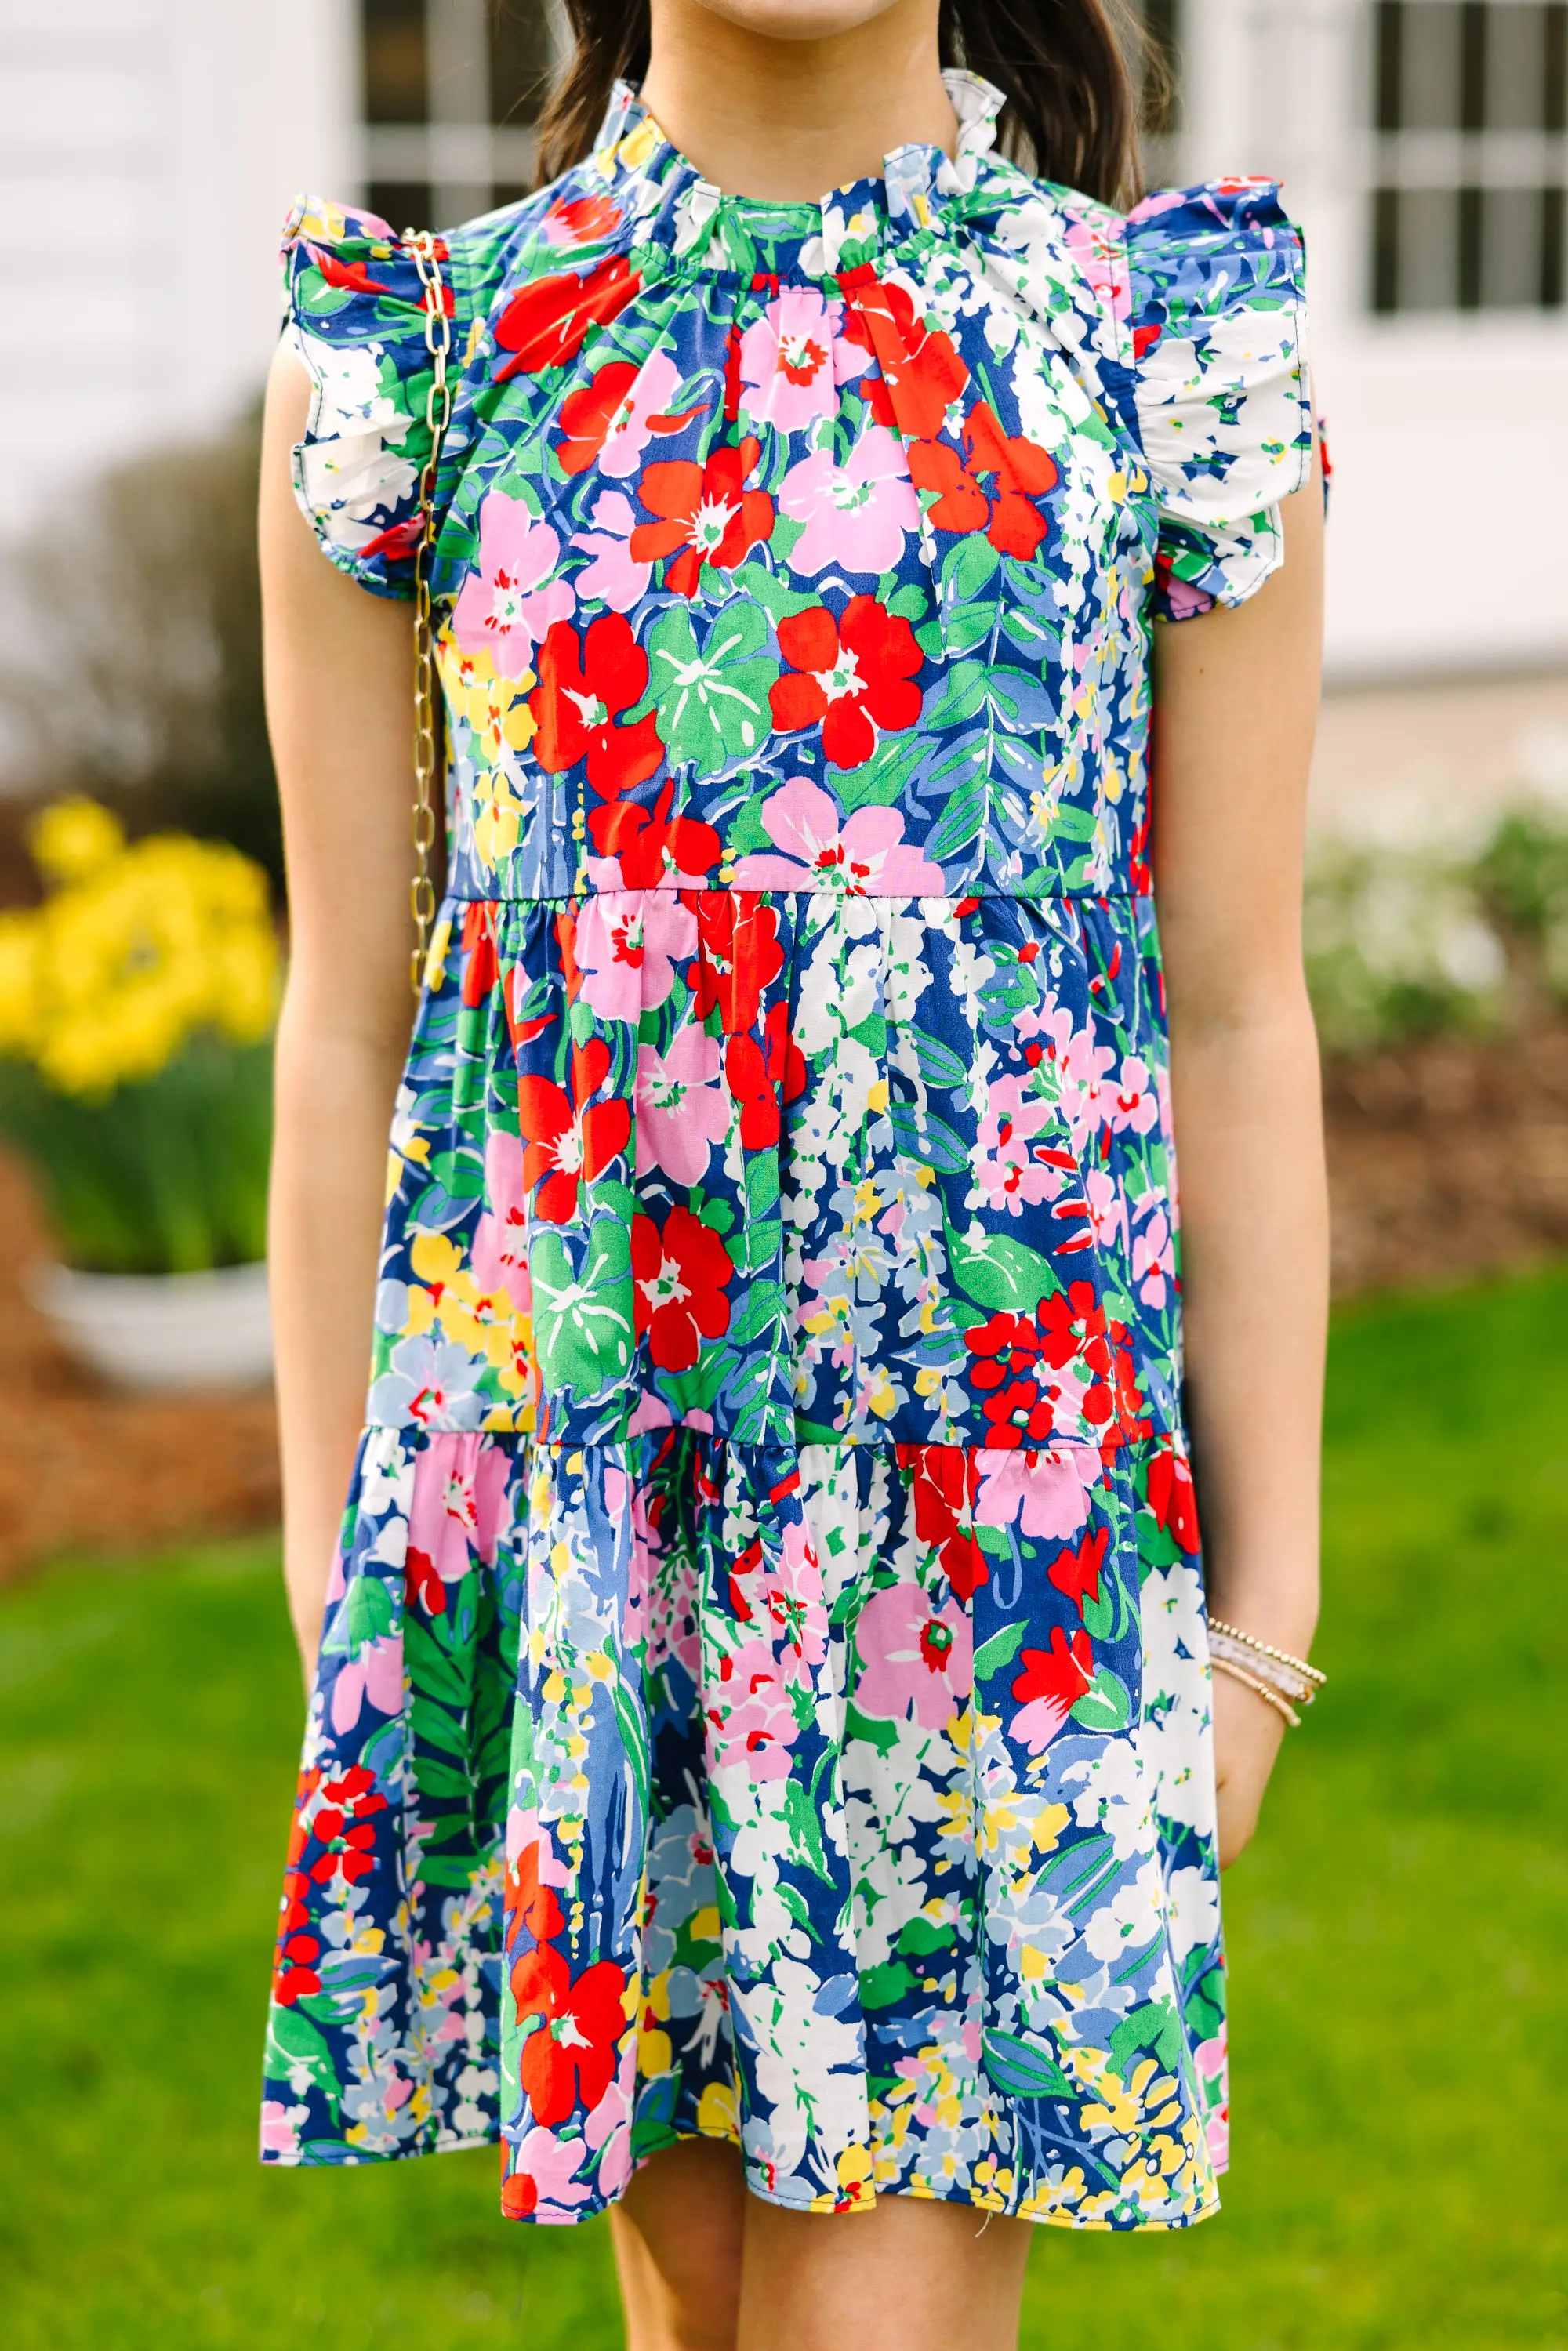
column 437, row 413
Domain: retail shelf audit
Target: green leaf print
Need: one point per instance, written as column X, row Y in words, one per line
column 295, row 2045
column 1023, row 2069
column 1106, row 1706
column 1154, row 2027
column 997, row 1273
column 967, row 569
column 712, row 697
column 1000, row 1651
column 882, row 1985
column 632, row 1723
column 778, row 601
column 582, row 1319
column 370, row 1611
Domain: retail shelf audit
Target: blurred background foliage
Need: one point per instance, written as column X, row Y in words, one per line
column 135, row 675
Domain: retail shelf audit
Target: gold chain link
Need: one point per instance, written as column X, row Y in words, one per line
column 437, row 413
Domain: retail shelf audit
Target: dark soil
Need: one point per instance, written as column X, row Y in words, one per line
column 1448, row 1160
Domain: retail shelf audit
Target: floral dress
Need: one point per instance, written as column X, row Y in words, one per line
column 765, row 1692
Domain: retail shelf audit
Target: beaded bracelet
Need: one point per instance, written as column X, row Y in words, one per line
column 1273, row 1675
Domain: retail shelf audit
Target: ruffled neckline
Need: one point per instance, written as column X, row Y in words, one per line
column 668, row 206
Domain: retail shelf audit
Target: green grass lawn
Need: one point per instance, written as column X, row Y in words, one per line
column 1400, row 2101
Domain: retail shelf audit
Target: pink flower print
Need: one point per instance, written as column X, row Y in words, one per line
column 855, row 514
column 1046, row 1492
column 791, row 358
column 546, row 2164
column 681, row 1107
column 867, row 857
column 499, row 1255
column 1107, row 1206
column 1014, row 1165
column 506, row 606
column 376, row 1673
column 608, row 2124
column 1154, row 1259
column 783, row 1590
column 612, row 578
column 280, row 2130
column 750, row 1719
column 1132, row 1102
column 459, row 1502
column 644, row 408
column 628, row 943
column 914, row 1658
column 626, row 1505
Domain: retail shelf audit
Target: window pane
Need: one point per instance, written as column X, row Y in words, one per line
column 1388, row 39
column 522, row 58
column 1515, row 61
column 1428, row 249
column 1430, row 67
column 1510, row 273
column 1555, row 110
column 401, row 204
column 397, row 77
column 1385, row 249
column 1552, row 257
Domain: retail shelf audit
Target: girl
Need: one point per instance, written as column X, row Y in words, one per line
column 763, row 1763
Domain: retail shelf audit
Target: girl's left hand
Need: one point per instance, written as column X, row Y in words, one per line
column 1246, row 1735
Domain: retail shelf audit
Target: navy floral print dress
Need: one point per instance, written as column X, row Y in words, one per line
column 765, row 1692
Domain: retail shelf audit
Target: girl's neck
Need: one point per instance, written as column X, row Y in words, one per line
column 761, row 115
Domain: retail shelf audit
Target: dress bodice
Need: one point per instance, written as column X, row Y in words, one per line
column 811, row 548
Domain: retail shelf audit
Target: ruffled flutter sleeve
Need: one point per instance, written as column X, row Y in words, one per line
column 1221, row 390
column 355, row 314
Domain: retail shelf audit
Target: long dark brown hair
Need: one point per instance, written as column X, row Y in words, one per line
column 1065, row 69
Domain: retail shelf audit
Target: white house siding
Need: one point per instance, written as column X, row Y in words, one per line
column 148, row 151
column 1449, row 432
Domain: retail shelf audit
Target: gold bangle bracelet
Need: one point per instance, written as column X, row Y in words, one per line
column 1260, row 1688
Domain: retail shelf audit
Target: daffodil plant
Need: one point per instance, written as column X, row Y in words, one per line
column 136, row 1011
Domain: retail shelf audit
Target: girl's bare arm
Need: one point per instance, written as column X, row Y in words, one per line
column 1235, row 707
column 338, row 700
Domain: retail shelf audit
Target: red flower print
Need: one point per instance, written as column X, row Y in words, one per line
column 571, row 2054
column 1077, row 1572
column 570, row 1140
column 421, row 1582
column 1019, row 1413
column 1013, row 1353
column 739, row 953
column 763, row 1076
column 295, row 1976
column 652, row 845
column 354, row 276
column 480, row 967
column 581, row 222
column 519, row 2193
column 681, row 1275
column 1060, row 1674
column 550, row 319
column 704, row 512
column 1171, row 1497
column 943, row 1487
column 589, row 415
column 341, row 1825
column 526, row 1904
column 853, row 675
column 1020, row 469
column 922, row 374
column 584, row 684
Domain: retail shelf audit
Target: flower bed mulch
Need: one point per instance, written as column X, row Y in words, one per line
column 1448, row 1160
